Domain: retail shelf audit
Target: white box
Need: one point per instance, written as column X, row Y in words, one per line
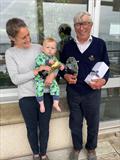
column 98, row 71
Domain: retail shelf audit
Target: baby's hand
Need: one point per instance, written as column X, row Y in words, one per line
column 62, row 67
column 51, row 61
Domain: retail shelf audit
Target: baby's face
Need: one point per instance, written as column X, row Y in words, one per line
column 50, row 48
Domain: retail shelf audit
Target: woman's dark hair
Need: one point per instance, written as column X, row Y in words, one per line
column 13, row 26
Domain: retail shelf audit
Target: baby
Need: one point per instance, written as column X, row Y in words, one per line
column 50, row 64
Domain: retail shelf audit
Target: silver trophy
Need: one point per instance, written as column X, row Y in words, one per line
column 71, row 66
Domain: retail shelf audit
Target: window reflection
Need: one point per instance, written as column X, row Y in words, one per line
column 43, row 19
column 110, row 32
column 114, row 57
column 54, row 14
column 9, row 9
column 110, row 104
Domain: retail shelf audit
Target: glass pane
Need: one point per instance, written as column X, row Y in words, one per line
column 110, row 105
column 43, row 19
column 58, row 20
column 54, row 14
column 110, row 32
column 9, row 9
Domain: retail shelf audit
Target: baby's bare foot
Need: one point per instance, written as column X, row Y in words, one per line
column 56, row 106
column 42, row 107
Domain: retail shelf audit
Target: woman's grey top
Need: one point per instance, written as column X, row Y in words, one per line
column 20, row 63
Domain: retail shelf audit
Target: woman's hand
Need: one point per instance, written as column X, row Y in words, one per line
column 41, row 68
column 49, row 79
column 97, row 84
column 44, row 68
column 71, row 79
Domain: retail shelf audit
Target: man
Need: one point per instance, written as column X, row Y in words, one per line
column 84, row 99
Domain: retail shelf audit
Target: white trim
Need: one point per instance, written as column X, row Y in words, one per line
column 10, row 95
column 91, row 11
column 113, row 83
column 8, row 92
column 91, row 7
column 94, row 10
column 96, row 18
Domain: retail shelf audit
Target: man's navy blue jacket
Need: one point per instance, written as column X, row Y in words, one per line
column 96, row 52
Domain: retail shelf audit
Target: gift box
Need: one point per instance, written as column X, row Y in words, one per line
column 98, row 71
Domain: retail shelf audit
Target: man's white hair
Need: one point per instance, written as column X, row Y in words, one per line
column 78, row 17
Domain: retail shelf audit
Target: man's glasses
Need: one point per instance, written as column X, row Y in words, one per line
column 84, row 24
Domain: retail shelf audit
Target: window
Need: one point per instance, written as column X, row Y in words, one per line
column 10, row 9
column 110, row 32
column 43, row 19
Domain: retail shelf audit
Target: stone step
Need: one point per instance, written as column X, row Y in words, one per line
column 105, row 151
column 14, row 141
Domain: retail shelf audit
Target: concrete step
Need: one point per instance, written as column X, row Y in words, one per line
column 105, row 151
column 14, row 141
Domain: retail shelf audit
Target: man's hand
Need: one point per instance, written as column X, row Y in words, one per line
column 97, row 84
column 49, row 79
column 71, row 79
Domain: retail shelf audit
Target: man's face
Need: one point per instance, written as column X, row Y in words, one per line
column 83, row 28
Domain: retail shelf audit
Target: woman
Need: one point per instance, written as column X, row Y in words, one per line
column 20, row 61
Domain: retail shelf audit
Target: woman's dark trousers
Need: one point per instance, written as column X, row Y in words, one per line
column 37, row 123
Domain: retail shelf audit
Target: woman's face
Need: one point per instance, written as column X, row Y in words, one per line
column 22, row 39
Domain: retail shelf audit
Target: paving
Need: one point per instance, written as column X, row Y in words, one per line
column 108, row 149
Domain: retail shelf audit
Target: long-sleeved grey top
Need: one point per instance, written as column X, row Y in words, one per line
column 20, row 63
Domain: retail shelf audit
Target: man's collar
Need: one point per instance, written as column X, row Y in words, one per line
column 89, row 39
